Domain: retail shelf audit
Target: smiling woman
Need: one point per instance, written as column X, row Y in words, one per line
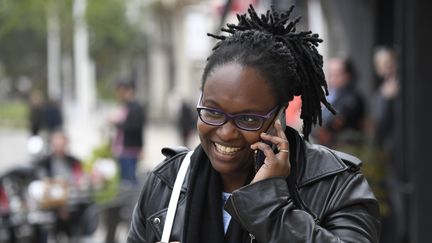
column 302, row 193
column 237, row 90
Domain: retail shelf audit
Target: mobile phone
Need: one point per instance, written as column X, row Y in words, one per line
column 259, row 156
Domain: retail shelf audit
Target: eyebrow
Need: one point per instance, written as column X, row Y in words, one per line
column 215, row 105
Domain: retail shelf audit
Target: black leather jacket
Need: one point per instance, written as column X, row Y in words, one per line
column 340, row 206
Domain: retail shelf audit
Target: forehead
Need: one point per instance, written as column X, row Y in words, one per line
column 383, row 57
column 238, row 88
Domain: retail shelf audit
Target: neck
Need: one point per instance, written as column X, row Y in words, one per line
column 391, row 76
column 59, row 154
column 232, row 182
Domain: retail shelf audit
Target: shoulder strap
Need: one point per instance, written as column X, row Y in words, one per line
column 172, row 206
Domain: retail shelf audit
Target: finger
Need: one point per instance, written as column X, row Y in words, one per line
column 280, row 142
column 281, row 157
column 266, row 149
column 284, row 143
column 280, row 130
column 274, row 164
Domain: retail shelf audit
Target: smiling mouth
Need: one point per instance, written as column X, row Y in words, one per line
column 226, row 150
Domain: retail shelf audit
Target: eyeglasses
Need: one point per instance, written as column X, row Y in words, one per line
column 245, row 121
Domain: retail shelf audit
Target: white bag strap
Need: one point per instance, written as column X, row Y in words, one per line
column 172, row 206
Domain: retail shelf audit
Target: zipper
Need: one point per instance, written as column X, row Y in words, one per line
column 252, row 237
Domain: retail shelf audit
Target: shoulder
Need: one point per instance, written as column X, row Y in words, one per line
column 42, row 160
column 72, row 159
column 166, row 171
column 348, row 159
column 170, row 152
column 173, row 158
column 322, row 162
column 323, row 152
column 160, row 181
column 134, row 105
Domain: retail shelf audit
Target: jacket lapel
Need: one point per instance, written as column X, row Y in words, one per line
column 313, row 162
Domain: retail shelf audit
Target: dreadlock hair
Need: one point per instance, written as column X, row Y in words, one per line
column 288, row 59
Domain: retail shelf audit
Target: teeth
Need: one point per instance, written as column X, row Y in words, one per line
column 226, row 150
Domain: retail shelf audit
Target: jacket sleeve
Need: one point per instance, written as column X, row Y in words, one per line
column 266, row 211
column 137, row 229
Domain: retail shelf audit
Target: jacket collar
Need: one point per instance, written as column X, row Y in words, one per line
column 313, row 162
column 167, row 170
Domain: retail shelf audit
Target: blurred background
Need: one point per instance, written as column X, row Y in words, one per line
column 74, row 66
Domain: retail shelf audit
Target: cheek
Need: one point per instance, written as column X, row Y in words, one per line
column 203, row 130
column 252, row 138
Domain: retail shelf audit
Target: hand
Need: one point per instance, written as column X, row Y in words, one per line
column 390, row 88
column 274, row 164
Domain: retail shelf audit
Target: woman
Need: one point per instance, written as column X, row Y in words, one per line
column 302, row 193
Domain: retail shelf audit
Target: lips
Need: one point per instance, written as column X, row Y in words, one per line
column 226, row 149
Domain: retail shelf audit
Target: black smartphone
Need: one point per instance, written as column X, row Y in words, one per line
column 259, row 155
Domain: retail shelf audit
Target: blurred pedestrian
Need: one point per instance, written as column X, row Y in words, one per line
column 59, row 163
column 36, row 112
column 59, row 167
column 186, row 122
column 298, row 192
column 387, row 118
column 45, row 117
column 53, row 116
column 387, row 102
column 128, row 141
column 346, row 126
column 127, row 145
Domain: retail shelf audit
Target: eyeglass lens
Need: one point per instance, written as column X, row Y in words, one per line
column 218, row 118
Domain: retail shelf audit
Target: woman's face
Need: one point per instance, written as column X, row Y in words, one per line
column 234, row 89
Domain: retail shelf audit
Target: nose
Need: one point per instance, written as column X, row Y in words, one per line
column 228, row 131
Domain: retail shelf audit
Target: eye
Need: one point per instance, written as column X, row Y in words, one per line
column 248, row 120
column 212, row 114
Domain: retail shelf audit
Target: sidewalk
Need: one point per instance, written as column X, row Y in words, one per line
column 13, row 150
column 157, row 137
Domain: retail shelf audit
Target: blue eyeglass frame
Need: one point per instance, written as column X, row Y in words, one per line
column 229, row 116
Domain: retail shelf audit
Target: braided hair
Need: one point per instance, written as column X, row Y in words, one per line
column 287, row 58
